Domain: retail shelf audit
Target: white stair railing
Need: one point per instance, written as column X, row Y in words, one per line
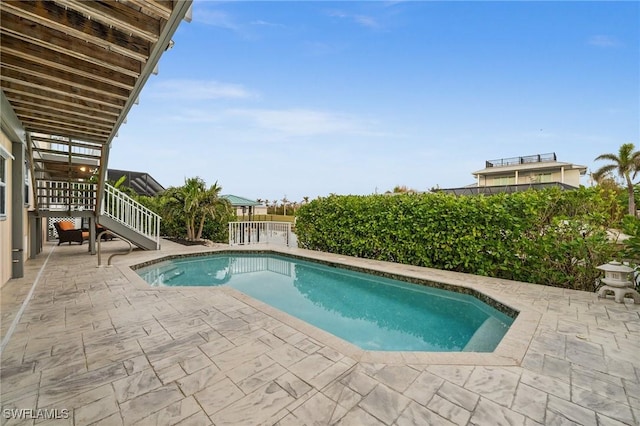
column 127, row 211
column 241, row 233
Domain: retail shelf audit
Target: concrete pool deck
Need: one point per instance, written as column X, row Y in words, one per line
column 99, row 346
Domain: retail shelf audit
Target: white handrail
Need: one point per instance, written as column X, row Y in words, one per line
column 120, row 207
column 241, row 233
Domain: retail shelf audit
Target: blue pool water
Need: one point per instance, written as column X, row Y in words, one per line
column 372, row 312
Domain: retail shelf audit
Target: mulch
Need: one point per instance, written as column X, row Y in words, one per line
column 185, row 242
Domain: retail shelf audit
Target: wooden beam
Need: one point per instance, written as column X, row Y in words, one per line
column 56, row 130
column 36, row 116
column 118, row 15
column 18, row 91
column 116, row 79
column 61, row 78
column 47, row 86
column 75, row 154
column 49, row 110
column 48, row 16
column 97, row 147
column 86, row 58
column 159, row 8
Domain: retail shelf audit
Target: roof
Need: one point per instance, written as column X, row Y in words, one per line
column 240, row 201
column 72, row 70
column 141, row 182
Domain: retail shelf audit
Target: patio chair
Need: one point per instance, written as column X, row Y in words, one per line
column 68, row 234
column 106, row 236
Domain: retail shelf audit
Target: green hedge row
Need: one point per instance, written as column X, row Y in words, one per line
column 550, row 237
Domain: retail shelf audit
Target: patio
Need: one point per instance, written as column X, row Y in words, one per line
column 98, row 346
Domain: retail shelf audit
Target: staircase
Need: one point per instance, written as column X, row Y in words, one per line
column 119, row 213
column 129, row 219
column 64, row 171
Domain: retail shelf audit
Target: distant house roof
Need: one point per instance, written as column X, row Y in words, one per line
column 140, row 182
column 240, row 201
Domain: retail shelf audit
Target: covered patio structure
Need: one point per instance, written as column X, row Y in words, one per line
column 71, row 72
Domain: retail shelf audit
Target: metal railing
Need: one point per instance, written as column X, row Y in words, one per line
column 127, row 211
column 244, row 233
column 63, row 195
column 539, row 158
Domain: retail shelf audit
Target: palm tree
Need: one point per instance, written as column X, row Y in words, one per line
column 213, row 206
column 627, row 165
column 193, row 202
column 184, row 202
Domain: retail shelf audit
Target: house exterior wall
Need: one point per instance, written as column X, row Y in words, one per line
column 5, row 221
column 515, row 177
column 256, row 210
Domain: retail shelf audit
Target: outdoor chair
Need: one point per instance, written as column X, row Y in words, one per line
column 68, row 234
column 106, row 236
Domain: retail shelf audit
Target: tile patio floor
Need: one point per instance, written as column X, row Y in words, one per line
column 101, row 344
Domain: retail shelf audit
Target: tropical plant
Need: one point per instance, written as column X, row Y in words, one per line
column 211, row 205
column 626, row 164
column 193, row 203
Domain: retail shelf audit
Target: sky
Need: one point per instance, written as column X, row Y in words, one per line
column 303, row 99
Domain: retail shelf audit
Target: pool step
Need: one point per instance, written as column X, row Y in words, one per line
column 486, row 337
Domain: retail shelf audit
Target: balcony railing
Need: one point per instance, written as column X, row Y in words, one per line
column 539, row 158
column 65, row 196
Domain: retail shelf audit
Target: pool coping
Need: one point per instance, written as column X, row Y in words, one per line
column 509, row 352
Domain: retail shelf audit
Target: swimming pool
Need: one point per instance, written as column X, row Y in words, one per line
column 370, row 311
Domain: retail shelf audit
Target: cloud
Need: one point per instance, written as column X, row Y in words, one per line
column 362, row 20
column 216, row 18
column 603, row 41
column 299, row 122
column 262, row 23
column 366, row 21
column 281, row 124
column 200, row 90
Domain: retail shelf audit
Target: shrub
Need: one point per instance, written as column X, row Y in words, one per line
column 550, row 237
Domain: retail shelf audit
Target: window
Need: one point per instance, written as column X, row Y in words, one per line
column 27, row 184
column 3, row 187
column 545, row 177
column 540, row 178
column 504, row 180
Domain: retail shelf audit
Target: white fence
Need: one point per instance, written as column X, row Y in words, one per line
column 244, row 233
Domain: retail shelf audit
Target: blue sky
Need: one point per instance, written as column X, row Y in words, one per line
column 295, row 99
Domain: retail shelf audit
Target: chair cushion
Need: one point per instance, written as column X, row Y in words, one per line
column 65, row 225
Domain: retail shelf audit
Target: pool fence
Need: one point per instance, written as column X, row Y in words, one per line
column 256, row 232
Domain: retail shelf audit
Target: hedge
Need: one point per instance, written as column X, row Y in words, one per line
column 549, row 237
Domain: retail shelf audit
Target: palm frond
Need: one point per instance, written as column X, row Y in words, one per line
column 608, row 156
column 603, row 171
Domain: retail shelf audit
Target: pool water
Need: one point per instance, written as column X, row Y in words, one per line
column 372, row 312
